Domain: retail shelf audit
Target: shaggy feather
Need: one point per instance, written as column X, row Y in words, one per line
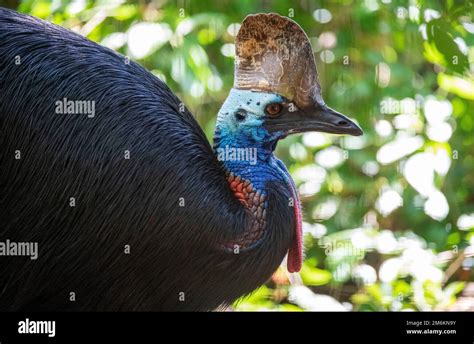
column 119, row 201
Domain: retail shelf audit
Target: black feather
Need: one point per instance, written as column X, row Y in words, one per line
column 119, row 201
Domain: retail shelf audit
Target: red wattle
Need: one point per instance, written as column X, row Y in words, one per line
column 295, row 252
column 294, row 259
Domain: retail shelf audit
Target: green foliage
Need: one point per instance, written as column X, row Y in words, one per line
column 388, row 216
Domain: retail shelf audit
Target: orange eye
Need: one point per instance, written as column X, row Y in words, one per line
column 273, row 109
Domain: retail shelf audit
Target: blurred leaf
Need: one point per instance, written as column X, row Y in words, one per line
column 460, row 86
column 314, row 276
column 438, row 33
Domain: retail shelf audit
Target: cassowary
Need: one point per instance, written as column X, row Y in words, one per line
column 129, row 205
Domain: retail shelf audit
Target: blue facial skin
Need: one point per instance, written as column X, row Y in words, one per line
column 240, row 125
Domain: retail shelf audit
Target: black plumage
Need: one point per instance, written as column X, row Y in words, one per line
column 174, row 249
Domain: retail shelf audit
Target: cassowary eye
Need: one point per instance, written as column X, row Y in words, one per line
column 273, row 109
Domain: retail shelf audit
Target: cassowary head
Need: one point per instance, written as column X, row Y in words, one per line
column 276, row 93
column 276, row 86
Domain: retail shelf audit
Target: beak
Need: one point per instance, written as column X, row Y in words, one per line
column 322, row 118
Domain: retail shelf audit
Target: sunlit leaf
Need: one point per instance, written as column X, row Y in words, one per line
column 315, row 276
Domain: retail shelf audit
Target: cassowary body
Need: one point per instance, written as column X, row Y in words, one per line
column 131, row 207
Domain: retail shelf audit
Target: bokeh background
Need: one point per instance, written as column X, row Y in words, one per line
column 389, row 216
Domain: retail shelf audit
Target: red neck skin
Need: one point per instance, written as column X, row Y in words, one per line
column 255, row 202
column 295, row 251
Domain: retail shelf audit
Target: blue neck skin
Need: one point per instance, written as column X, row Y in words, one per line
column 242, row 143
